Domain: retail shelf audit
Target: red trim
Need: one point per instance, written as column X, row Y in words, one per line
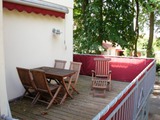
column 140, row 78
column 150, row 67
column 29, row 9
column 117, row 103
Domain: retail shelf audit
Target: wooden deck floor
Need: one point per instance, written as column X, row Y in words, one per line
column 83, row 107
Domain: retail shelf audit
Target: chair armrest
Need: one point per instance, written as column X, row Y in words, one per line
column 110, row 75
column 93, row 73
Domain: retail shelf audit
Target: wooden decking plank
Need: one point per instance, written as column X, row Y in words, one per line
column 91, row 101
column 88, row 106
column 20, row 116
column 83, row 107
column 61, row 113
column 32, row 112
column 80, row 111
column 25, row 116
column 70, row 111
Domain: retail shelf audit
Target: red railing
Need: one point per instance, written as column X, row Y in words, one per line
column 123, row 68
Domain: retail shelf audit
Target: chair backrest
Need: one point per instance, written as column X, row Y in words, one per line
column 102, row 67
column 77, row 67
column 60, row 64
column 40, row 81
column 25, row 77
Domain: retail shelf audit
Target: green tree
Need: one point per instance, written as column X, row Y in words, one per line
column 136, row 26
column 151, row 9
column 98, row 20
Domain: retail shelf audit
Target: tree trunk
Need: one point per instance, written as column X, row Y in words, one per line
column 136, row 28
column 151, row 34
column 84, row 5
column 100, row 21
column 84, row 10
column 100, row 29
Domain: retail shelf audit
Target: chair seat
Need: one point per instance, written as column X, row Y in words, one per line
column 53, row 86
column 101, row 84
column 102, row 76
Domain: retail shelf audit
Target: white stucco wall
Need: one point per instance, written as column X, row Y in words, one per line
column 29, row 42
column 4, row 105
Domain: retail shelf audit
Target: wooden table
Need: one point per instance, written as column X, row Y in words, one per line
column 59, row 75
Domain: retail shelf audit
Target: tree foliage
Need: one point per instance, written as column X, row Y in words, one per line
column 150, row 10
column 112, row 20
column 98, row 20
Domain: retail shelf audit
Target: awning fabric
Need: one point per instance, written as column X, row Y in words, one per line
column 29, row 9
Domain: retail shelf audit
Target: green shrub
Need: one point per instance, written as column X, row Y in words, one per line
column 157, row 67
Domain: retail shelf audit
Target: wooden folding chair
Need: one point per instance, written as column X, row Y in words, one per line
column 76, row 66
column 43, row 86
column 60, row 64
column 101, row 76
column 27, row 82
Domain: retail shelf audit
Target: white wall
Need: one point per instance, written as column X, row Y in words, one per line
column 29, row 42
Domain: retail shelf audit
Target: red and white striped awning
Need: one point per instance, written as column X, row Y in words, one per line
column 38, row 7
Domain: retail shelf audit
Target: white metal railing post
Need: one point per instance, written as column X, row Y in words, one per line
column 135, row 100
column 146, row 83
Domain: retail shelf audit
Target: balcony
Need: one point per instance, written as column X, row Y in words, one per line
column 132, row 83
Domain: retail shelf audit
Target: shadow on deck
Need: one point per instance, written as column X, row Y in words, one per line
column 83, row 107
